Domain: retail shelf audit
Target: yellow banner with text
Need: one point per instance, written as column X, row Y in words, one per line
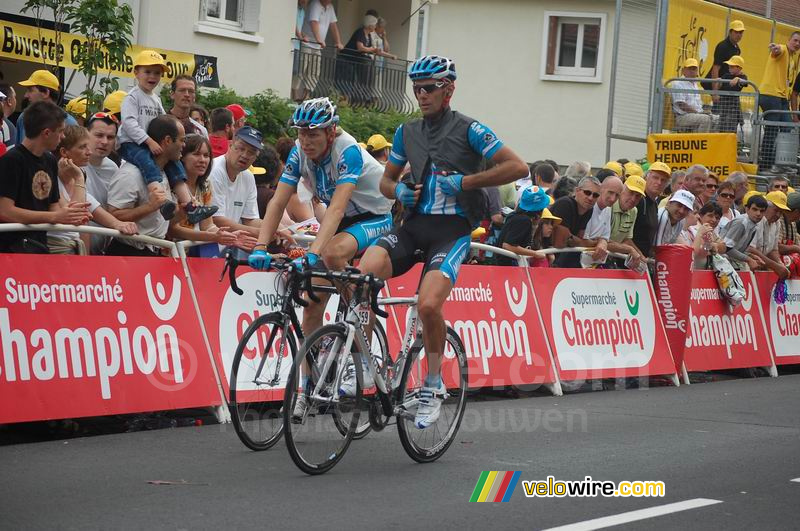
column 28, row 43
column 715, row 151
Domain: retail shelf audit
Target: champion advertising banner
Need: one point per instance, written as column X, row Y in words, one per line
column 88, row 336
column 672, row 284
column 783, row 319
column 717, row 338
column 25, row 43
column 492, row 309
column 227, row 315
column 602, row 323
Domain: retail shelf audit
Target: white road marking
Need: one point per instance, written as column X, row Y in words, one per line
column 796, row 480
column 634, row 516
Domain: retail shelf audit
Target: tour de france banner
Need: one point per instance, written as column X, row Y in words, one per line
column 715, row 151
column 90, row 336
column 783, row 318
column 24, row 43
column 492, row 310
column 602, row 323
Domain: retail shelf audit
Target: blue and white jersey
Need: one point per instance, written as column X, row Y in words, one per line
column 432, row 201
column 347, row 162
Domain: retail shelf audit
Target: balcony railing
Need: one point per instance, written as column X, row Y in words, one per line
column 360, row 79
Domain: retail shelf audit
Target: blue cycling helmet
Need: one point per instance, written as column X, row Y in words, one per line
column 433, row 67
column 318, row 113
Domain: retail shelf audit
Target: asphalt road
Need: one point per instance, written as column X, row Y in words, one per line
column 736, row 443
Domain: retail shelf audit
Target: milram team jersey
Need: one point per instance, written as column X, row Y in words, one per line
column 432, row 201
column 347, row 162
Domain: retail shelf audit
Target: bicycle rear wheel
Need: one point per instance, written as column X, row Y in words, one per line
column 431, row 443
column 256, row 396
column 313, row 410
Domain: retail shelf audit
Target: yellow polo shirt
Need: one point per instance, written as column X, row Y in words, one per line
column 779, row 73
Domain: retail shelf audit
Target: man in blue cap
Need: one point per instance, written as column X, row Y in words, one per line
column 519, row 228
column 233, row 184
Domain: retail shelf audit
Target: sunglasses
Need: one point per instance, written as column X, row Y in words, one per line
column 428, row 88
column 781, row 186
column 727, row 196
column 591, row 194
column 103, row 116
column 712, row 186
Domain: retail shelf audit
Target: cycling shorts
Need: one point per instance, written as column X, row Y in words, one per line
column 443, row 240
column 365, row 228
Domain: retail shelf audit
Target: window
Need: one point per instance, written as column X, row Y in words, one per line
column 235, row 19
column 225, row 12
column 572, row 47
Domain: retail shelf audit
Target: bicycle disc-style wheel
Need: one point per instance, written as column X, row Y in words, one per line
column 431, row 443
column 379, row 349
column 256, row 396
column 313, row 438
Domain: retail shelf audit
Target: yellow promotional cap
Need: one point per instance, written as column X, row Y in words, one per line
column 736, row 25
column 660, row 166
column 631, row 168
column 377, row 142
column 736, row 60
column 77, row 106
column 41, row 78
column 778, row 199
column 636, row 183
column 691, row 63
column 614, row 166
column 113, row 102
column 149, row 58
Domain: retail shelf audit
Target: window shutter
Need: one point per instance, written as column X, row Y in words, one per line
column 552, row 45
column 203, row 11
column 251, row 15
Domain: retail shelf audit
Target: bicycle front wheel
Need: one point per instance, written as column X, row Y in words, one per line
column 431, row 443
column 262, row 361
column 314, row 411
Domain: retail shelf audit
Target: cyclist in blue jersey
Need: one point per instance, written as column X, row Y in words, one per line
column 341, row 174
column 444, row 201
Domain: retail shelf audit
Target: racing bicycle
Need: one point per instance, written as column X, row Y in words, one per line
column 259, row 368
column 314, row 436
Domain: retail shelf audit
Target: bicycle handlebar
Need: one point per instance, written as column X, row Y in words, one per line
column 350, row 275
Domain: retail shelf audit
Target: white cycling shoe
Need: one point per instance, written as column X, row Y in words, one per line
column 430, row 404
column 348, row 385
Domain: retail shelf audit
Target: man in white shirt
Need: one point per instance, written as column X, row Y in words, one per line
column 101, row 170
column 688, row 107
column 320, row 17
column 671, row 218
column 234, row 186
column 129, row 198
column 599, row 226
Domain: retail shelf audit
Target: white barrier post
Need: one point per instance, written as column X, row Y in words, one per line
column 221, row 412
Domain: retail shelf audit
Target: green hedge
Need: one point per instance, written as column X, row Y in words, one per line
column 271, row 113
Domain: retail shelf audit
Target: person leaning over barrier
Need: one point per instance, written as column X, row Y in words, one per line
column 41, row 86
column 765, row 242
column 74, row 151
column 671, row 218
column 726, row 193
column 730, row 109
column 739, row 234
column 623, row 219
column 788, row 244
column 518, row 230
column 702, row 236
column 647, row 210
column 575, row 213
column 131, row 199
column 29, row 188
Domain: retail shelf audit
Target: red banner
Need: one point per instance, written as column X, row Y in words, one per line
column 672, row 284
column 602, row 323
column 89, row 336
column 718, row 339
column 783, row 319
column 492, row 310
